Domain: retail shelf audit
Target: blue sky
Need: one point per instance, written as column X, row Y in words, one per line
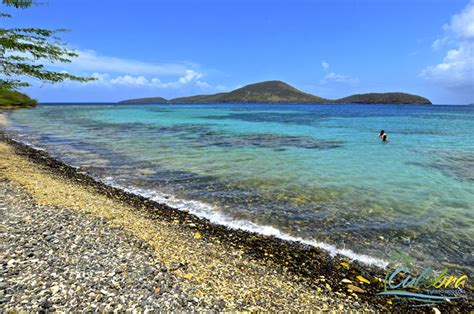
column 329, row 48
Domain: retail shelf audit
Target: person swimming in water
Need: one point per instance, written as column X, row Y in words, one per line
column 383, row 136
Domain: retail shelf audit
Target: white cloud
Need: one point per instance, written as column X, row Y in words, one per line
column 339, row 78
column 113, row 71
column 89, row 60
column 189, row 76
column 462, row 24
column 325, row 65
column 331, row 77
column 105, row 79
column 456, row 71
column 130, row 80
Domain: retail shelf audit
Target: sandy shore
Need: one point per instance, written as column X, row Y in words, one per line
column 216, row 268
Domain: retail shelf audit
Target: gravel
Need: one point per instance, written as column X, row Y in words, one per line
column 56, row 259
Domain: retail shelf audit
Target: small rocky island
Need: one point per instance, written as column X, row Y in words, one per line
column 281, row 92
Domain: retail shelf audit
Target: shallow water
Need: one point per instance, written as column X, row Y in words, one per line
column 317, row 173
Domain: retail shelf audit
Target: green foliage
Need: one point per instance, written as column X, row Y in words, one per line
column 24, row 50
column 10, row 99
column 19, row 4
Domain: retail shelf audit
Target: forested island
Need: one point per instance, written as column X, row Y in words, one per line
column 281, row 92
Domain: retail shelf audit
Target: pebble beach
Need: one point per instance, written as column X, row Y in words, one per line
column 55, row 258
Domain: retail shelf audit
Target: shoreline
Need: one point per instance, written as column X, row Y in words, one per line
column 249, row 226
column 310, row 266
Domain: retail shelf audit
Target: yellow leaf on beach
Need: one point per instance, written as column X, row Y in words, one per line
column 355, row 288
column 345, row 265
column 362, row 279
column 197, row 235
column 188, row 276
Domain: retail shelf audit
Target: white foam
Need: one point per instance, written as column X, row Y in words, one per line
column 207, row 211
column 30, row 145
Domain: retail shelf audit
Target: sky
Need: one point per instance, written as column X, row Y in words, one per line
column 330, row 48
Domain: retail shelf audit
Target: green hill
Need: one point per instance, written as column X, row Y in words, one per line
column 384, row 98
column 199, row 98
column 155, row 100
column 281, row 92
column 11, row 99
column 264, row 92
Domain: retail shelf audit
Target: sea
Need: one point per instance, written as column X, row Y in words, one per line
column 318, row 174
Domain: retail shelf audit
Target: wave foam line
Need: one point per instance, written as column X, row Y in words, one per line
column 206, row 211
column 26, row 143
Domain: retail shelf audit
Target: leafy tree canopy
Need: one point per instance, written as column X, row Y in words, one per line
column 24, row 50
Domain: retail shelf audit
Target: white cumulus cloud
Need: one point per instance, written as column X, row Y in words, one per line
column 332, row 77
column 339, row 78
column 130, row 80
column 105, row 79
column 462, row 24
column 456, row 70
column 113, row 71
column 189, row 76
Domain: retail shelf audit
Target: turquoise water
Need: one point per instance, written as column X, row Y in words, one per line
column 317, row 173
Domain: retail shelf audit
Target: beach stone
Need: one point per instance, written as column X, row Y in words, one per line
column 75, row 260
column 45, row 304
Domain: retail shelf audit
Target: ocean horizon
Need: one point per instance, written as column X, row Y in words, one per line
column 67, row 103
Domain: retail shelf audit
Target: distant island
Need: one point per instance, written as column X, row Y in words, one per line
column 281, row 92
